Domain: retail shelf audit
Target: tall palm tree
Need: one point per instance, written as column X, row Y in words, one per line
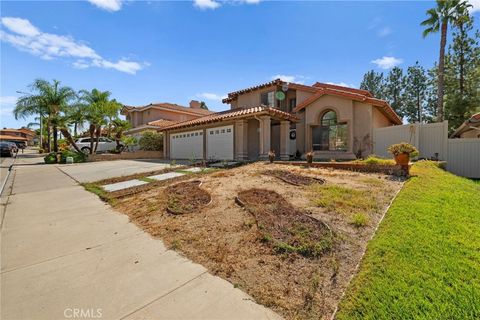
column 47, row 100
column 100, row 110
column 446, row 12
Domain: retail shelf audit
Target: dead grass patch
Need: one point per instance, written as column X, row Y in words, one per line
column 227, row 240
column 186, row 197
column 285, row 228
column 292, row 178
column 342, row 199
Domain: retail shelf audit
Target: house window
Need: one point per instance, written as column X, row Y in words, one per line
column 292, row 103
column 229, row 130
column 329, row 135
column 268, row 98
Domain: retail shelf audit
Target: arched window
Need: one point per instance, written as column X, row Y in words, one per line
column 330, row 135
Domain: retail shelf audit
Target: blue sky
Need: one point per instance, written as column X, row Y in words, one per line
column 175, row 51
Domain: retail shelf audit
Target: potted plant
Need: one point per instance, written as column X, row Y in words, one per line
column 309, row 157
column 271, row 155
column 403, row 152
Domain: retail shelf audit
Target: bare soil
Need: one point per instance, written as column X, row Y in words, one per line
column 292, row 178
column 186, row 197
column 228, row 240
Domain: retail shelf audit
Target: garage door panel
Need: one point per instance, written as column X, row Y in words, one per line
column 186, row 145
column 220, row 143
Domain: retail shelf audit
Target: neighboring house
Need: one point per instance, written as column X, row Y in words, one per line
column 468, row 129
column 156, row 116
column 19, row 135
column 332, row 121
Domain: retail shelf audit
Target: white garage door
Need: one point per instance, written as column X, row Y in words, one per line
column 220, row 143
column 186, row 145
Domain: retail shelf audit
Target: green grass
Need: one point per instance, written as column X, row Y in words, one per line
column 147, row 179
column 360, row 220
column 424, row 261
column 99, row 191
column 372, row 159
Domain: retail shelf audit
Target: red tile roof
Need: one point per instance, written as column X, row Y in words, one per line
column 319, row 89
column 234, row 114
column 4, row 137
column 169, row 106
column 161, row 123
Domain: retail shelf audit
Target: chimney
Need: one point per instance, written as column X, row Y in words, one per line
column 194, row 104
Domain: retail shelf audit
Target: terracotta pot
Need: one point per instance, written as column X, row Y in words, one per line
column 402, row 159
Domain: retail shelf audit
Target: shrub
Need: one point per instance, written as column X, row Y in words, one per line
column 151, row 141
column 50, row 158
column 403, row 147
column 374, row 160
column 77, row 156
column 359, row 220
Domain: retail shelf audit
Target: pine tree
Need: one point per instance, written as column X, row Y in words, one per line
column 462, row 81
column 394, row 90
column 415, row 94
column 374, row 83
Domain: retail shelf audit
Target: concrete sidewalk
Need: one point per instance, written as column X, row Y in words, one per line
column 65, row 251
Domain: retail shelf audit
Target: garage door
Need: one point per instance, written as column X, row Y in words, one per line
column 186, row 145
column 220, row 143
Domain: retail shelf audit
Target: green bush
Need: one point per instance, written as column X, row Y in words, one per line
column 151, row 141
column 77, row 156
column 50, row 158
column 403, row 147
column 374, row 160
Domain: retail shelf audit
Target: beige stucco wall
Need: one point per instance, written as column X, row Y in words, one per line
column 471, row 134
column 313, row 112
column 251, row 99
column 379, row 119
column 138, row 118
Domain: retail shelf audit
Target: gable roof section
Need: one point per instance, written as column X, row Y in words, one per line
column 161, row 123
column 166, row 106
column 355, row 95
column 473, row 121
column 234, row 114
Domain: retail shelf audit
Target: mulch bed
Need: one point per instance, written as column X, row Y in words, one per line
column 186, row 197
column 292, row 178
column 285, row 228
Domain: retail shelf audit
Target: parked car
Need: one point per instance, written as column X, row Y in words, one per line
column 13, row 145
column 6, row 149
column 104, row 144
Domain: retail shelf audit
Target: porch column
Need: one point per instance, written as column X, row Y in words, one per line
column 165, row 145
column 265, row 129
column 284, row 140
column 241, row 137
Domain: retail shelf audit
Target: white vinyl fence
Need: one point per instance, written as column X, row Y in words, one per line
column 431, row 140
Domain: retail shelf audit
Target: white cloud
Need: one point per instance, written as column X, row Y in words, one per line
column 288, row 78
column 26, row 37
column 206, row 4
column 211, row 96
column 214, row 4
column 7, row 100
column 475, row 6
column 20, row 26
column 383, row 32
column 109, row 5
column 387, row 62
column 342, row 84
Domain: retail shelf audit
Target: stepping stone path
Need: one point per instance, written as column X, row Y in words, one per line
column 123, row 185
column 135, row 182
column 165, row 176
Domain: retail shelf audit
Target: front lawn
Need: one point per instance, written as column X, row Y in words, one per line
column 424, row 262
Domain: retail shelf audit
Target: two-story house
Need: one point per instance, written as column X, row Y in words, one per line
column 334, row 122
column 23, row 135
column 156, row 116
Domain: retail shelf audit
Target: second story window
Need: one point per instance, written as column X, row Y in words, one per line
column 268, row 98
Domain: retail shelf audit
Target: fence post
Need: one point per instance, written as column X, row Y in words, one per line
column 445, row 140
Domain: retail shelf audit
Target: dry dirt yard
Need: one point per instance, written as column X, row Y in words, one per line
column 227, row 239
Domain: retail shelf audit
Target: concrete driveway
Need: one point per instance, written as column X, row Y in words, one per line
column 65, row 252
column 95, row 171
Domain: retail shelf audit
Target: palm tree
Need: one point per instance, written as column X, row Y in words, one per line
column 446, row 11
column 47, row 100
column 100, row 110
column 120, row 126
